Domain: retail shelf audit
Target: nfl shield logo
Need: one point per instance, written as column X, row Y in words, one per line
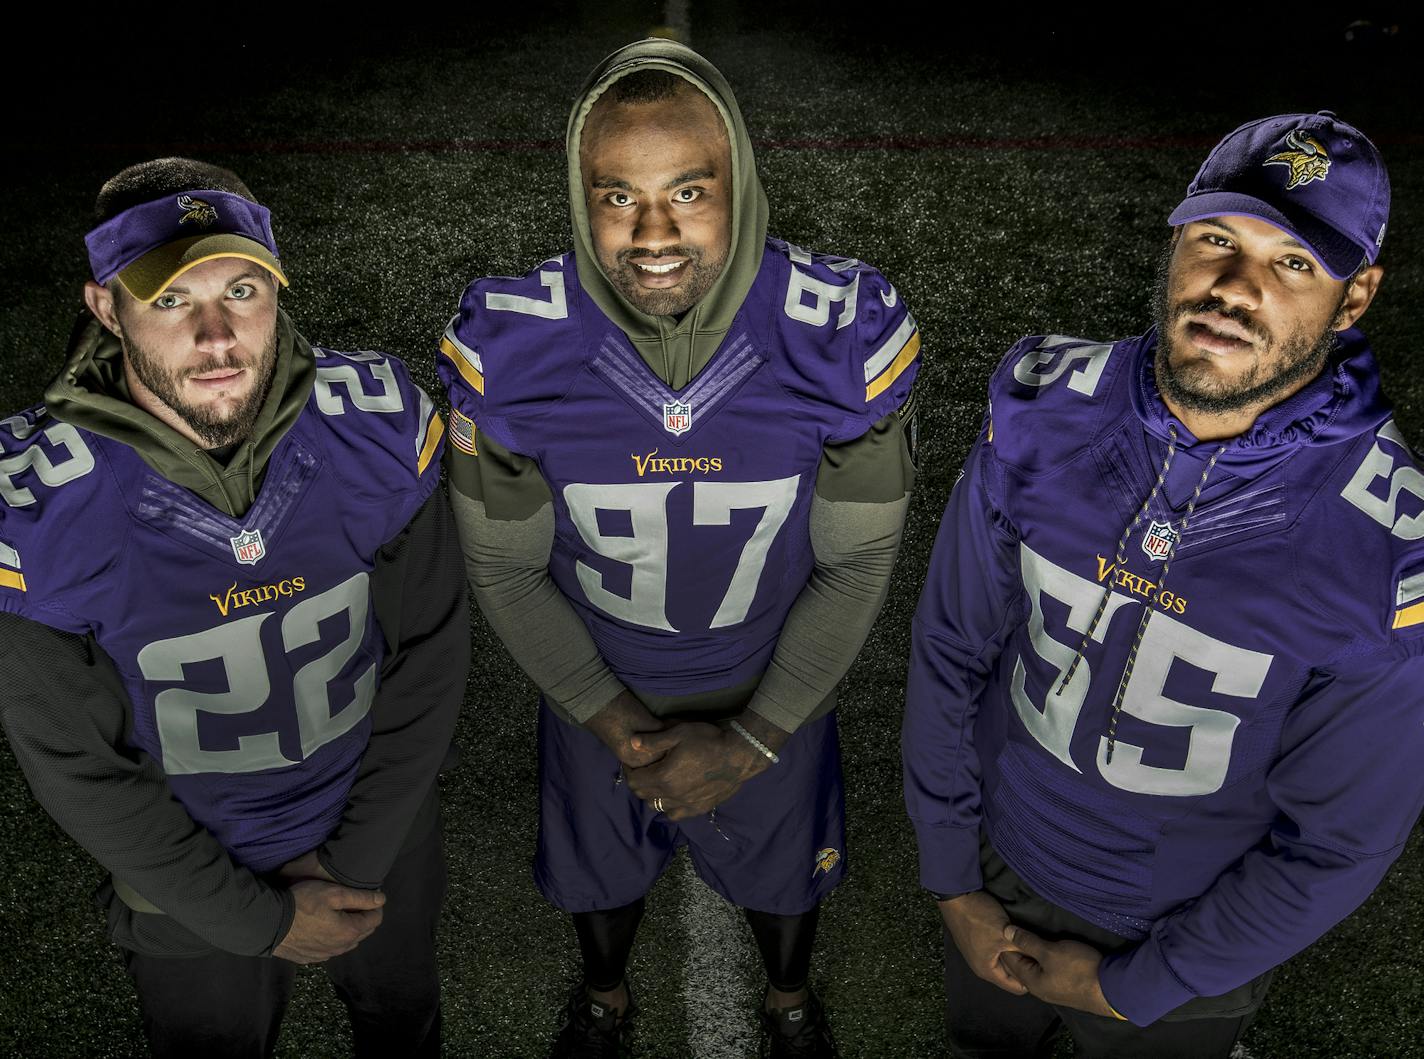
column 247, row 547
column 1159, row 540
column 677, row 418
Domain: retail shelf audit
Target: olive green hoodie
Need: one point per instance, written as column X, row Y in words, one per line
column 91, row 392
column 675, row 350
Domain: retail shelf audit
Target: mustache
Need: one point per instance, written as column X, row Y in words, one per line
column 215, row 364
column 1215, row 305
column 680, row 250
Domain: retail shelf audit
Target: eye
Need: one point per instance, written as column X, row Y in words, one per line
column 167, row 301
column 241, row 291
column 619, row 199
column 1217, row 239
column 1297, row 264
column 687, row 194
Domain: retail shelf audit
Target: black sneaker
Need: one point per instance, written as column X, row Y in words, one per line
column 797, row 1033
column 592, row 1031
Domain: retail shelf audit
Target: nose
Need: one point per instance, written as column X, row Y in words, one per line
column 213, row 333
column 655, row 227
column 1238, row 284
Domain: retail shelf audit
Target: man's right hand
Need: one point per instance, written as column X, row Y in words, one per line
column 618, row 721
column 976, row 922
column 330, row 919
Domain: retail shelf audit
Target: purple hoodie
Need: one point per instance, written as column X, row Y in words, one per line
column 1258, row 771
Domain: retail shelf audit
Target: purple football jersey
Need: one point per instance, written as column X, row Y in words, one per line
column 1262, row 771
column 248, row 646
column 682, row 517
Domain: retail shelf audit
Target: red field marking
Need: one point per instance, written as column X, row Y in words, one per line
column 534, row 146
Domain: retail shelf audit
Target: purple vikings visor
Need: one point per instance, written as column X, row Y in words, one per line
column 150, row 245
column 1311, row 175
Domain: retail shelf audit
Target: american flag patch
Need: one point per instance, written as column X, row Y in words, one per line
column 462, row 432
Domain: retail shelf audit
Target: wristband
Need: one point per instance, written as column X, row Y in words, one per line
column 754, row 741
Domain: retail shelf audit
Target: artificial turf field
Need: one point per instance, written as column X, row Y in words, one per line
column 1015, row 179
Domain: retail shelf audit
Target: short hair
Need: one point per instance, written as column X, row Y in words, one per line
column 646, row 86
column 163, row 176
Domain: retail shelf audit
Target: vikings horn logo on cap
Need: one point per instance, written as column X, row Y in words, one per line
column 1307, row 159
column 196, row 210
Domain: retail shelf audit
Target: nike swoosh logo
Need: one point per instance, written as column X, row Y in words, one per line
column 891, row 298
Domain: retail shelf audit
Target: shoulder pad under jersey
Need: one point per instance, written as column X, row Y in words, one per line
column 850, row 340
column 1051, row 393
column 502, row 352
column 383, row 431
column 54, row 530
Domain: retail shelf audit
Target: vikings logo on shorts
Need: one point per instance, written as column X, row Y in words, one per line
column 196, row 210
column 826, row 859
column 1306, row 158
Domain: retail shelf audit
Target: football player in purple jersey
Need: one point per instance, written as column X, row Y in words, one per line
column 1162, row 729
column 681, row 457
column 232, row 630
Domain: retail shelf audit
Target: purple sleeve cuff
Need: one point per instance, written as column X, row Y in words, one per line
column 1139, row 985
column 949, row 858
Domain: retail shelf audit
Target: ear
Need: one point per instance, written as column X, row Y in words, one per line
column 102, row 304
column 1358, row 296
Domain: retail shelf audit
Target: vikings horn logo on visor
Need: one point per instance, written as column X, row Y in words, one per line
column 196, row 210
column 1307, row 159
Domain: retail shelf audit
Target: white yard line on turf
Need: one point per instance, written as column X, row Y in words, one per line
column 721, row 1013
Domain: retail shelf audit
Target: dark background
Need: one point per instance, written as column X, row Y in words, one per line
column 1011, row 176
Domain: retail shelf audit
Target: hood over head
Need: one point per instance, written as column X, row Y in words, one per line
column 674, row 349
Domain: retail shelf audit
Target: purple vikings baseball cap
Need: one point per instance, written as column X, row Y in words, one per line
column 1311, row 175
column 150, row 245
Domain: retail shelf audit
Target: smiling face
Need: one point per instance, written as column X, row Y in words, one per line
column 200, row 356
column 1246, row 317
column 657, row 180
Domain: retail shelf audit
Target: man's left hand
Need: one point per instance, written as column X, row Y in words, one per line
column 1057, row 972
column 703, row 765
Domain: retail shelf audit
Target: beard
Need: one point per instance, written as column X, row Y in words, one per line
column 700, row 276
column 215, row 427
column 1192, row 384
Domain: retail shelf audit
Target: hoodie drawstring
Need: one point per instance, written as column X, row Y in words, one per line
column 251, row 473
column 1148, row 608
column 1120, row 557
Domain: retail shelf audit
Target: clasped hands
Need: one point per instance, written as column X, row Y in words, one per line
column 330, row 918
column 684, row 768
column 1018, row 961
